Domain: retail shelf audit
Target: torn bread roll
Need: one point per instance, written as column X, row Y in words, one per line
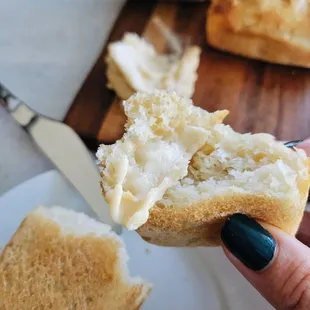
column 60, row 259
column 275, row 31
column 178, row 173
column 163, row 131
column 134, row 65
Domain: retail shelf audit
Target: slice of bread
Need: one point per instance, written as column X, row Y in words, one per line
column 156, row 176
column 275, row 31
column 59, row 259
column 133, row 65
column 163, row 131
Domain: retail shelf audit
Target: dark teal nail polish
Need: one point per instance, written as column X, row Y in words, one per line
column 247, row 240
column 292, row 144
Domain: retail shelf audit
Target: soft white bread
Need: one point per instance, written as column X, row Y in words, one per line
column 59, row 259
column 230, row 173
column 117, row 81
column 275, row 31
column 163, row 131
column 133, row 65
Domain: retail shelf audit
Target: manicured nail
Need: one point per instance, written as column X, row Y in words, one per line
column 247, row 240
column 293, row 143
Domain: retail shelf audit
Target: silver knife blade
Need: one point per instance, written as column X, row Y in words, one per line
column 66, row 151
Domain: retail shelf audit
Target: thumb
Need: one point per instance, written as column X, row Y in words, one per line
column 275, row 263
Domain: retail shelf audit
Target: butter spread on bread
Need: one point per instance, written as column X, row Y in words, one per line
column 163, row 132
column 178, row 173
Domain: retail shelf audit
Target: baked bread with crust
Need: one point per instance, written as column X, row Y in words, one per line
column 60, row 259
column 276, row 31
column 134, row 65
column 178, row 173
column 163, row 132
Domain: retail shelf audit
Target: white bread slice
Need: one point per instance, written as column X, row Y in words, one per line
column 60, row 259
column 232, row 172
column 276, row 31
column 133, row 65
column 163, row 131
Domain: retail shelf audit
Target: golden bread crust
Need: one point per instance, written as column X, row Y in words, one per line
column 200, row 224
column 254, row 31
column 41, row 268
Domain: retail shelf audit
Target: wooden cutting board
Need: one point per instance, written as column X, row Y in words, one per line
column 261, row 97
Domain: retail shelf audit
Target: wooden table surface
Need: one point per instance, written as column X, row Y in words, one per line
column 261, row 97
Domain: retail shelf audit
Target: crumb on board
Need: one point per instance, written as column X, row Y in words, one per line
column 147, row 251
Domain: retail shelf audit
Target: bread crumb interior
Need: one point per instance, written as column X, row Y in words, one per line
column 233, row 163
column 175, row 154
column 163, row 132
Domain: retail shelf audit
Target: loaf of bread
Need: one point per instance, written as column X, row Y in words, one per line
column 276, row 31
column 59, row 259
column 178, row 173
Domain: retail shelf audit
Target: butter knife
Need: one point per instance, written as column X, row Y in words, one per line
column 65, row 150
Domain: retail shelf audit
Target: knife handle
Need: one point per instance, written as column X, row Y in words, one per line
column 8, row 100
column 3, row 99
column 19, row 111
column 3, row 103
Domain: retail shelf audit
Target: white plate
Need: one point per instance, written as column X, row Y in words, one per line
column 182, row 278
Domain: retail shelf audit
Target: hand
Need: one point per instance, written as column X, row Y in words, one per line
column 275, row 263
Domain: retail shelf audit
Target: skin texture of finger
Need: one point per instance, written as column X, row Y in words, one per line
column 285, row 282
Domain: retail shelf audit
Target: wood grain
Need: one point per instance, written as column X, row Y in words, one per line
column 303, row 234
column 261, row 97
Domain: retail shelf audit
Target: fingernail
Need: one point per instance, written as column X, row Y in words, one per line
column 293, row 143
column 247, row 240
